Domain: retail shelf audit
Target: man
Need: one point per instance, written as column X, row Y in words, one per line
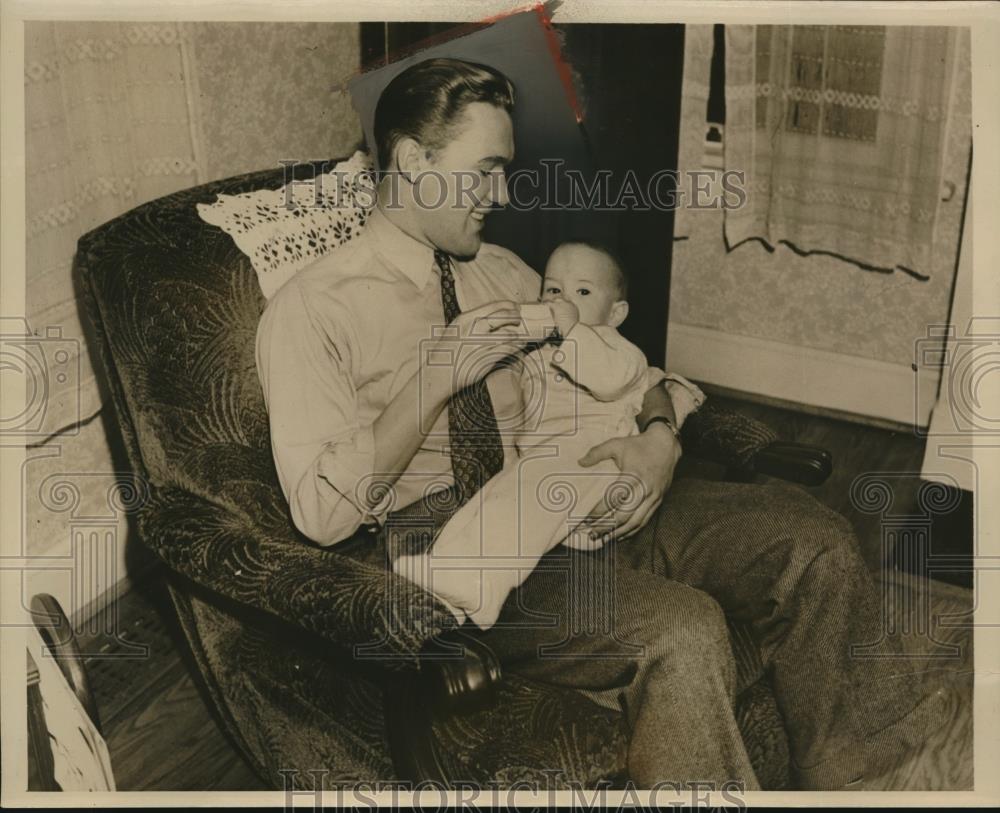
column 363, row 423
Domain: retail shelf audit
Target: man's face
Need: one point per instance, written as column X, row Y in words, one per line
column 468, row 173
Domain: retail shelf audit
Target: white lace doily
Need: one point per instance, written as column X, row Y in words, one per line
column 284, row 230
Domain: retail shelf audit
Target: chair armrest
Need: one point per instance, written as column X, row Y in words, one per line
column 750, row 447
column 724, row 436
column 458, row 675
column 797, row 462
column 381, row 616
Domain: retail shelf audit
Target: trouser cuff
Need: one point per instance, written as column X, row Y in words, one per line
column 830, row 774
column 880, row 751
column 891, row 745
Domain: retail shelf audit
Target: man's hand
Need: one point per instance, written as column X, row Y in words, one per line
column 649, row 459
column 474, row 343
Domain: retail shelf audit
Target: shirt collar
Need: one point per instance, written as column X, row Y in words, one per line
column 409, row 255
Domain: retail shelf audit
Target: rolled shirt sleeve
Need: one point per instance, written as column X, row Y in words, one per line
column 323, row 455
column 685, row 396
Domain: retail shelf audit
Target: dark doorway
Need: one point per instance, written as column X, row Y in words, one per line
column 630, row 86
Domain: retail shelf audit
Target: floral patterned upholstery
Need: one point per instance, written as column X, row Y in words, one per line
column 271, row 619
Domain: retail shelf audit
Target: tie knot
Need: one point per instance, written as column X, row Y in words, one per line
column 442, row 260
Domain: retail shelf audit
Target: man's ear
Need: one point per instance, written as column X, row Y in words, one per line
column 410, row 158
column 618, row 313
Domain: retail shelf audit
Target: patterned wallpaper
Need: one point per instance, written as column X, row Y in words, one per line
column 267, row 91
column 816, row 301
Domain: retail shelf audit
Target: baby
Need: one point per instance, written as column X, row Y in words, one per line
column 576, row 393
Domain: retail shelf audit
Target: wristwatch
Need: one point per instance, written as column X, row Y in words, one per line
column 666, row 422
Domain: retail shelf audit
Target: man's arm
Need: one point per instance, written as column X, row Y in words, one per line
column 401, row 428
column 650, row 457
column 335, row 472
column 670, row 396
column 321, row 450
column 656, row 403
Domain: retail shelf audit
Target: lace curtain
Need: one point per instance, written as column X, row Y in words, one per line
column 850, row 137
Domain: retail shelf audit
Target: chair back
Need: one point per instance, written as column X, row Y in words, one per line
column 174, row 307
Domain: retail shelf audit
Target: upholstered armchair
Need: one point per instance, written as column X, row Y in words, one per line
column 312, row 659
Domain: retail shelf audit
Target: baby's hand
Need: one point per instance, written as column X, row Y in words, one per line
column 565, row 314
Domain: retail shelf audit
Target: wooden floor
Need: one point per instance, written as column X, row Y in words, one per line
column 162, row 735
column 160, row 731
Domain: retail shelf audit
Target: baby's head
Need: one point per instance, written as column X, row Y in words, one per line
column 590, row 277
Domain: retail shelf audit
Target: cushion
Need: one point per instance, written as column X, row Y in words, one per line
column 284, row 230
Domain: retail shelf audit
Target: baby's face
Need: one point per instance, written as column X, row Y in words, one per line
column 585, row 277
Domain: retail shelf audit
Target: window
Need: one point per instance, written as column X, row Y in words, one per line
column 832, row 83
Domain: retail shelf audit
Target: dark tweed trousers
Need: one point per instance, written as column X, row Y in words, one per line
column 644, row 618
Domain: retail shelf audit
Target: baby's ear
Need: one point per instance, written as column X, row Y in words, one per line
column 618, row 313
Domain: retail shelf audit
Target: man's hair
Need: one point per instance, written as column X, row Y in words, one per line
column 424, row 100
column 609, row 251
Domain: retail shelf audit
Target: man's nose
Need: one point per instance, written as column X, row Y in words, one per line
column 498, row 189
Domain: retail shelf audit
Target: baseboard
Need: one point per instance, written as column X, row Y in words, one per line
column 95, row 610
column 105, row 586
column 849, row 385
column 714, row 390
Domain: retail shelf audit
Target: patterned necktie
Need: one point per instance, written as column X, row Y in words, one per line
column 476, row 449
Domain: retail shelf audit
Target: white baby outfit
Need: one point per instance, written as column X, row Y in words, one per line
column 583, row 392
